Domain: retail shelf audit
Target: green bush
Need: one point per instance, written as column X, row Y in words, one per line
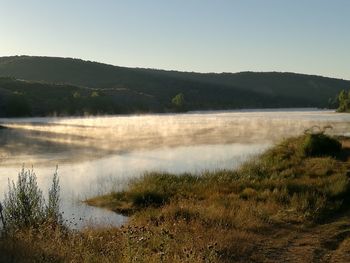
column 25, row 206
column 319, row 144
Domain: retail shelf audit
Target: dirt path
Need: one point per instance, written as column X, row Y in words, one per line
column 328, row 242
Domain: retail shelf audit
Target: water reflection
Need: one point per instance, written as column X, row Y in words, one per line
column 100, row 154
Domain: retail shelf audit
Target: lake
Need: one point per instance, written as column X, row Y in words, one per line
column 96, row 155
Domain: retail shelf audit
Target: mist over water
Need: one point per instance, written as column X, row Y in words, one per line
column 96, row 155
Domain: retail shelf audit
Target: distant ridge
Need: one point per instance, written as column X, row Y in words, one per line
column 151, row 90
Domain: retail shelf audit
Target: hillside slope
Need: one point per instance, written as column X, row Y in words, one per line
column 150, row 90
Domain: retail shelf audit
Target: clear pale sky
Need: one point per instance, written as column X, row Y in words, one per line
column 306, row 36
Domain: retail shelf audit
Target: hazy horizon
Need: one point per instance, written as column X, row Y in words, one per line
column 185, row 71
column 200, row 36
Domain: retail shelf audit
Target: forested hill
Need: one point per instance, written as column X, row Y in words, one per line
column 127, row 90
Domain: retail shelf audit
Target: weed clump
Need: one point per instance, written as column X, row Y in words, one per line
column 148, row 199
column 319, row 144
column 248, row 193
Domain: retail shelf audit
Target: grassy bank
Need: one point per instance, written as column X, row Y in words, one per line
column 302, row 179
column 288, row 202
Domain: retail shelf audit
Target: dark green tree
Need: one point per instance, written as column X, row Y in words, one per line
column 344, row 101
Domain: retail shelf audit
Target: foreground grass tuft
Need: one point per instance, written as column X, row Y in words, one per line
column 320, row 145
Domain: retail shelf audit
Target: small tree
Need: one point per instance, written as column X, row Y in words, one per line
column 344, row 101
column 178, row 101
column 76, row 95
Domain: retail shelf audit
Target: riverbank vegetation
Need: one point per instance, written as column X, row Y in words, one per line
column 290, row 203
column 344, row 101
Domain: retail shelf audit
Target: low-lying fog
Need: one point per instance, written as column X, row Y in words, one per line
column 96, row 155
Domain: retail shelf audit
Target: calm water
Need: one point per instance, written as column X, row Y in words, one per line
column 96, row 155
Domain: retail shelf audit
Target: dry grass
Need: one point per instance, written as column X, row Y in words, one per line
column 59, row 245
column 226, row 216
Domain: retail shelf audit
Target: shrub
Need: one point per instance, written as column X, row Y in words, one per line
column 24, row 204
column 319, row 144
column 53, row 206
column 145, row 199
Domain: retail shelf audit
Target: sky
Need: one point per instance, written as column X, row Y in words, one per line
column 305, row 36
